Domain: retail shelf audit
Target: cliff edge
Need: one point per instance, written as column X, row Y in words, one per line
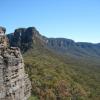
column 14, row 83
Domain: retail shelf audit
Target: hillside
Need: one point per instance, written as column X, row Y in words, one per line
column 59, row 68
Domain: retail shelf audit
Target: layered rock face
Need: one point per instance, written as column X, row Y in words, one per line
column 14, row 83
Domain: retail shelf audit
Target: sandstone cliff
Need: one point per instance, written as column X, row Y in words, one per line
column 14, row 83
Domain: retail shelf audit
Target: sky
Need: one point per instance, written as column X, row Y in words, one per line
column 74, row 19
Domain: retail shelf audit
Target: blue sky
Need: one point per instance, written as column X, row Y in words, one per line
column 75, row 19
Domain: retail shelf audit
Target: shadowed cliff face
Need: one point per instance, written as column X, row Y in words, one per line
column 26, row 38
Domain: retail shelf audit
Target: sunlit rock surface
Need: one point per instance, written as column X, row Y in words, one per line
column 14, row 83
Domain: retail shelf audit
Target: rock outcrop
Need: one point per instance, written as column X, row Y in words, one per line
column 14, row 83
column 24, row 38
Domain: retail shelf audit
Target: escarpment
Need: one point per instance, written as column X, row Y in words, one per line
column 14, row 83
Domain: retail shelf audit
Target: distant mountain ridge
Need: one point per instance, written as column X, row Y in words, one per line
column 75, row 48
column 25, row 37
